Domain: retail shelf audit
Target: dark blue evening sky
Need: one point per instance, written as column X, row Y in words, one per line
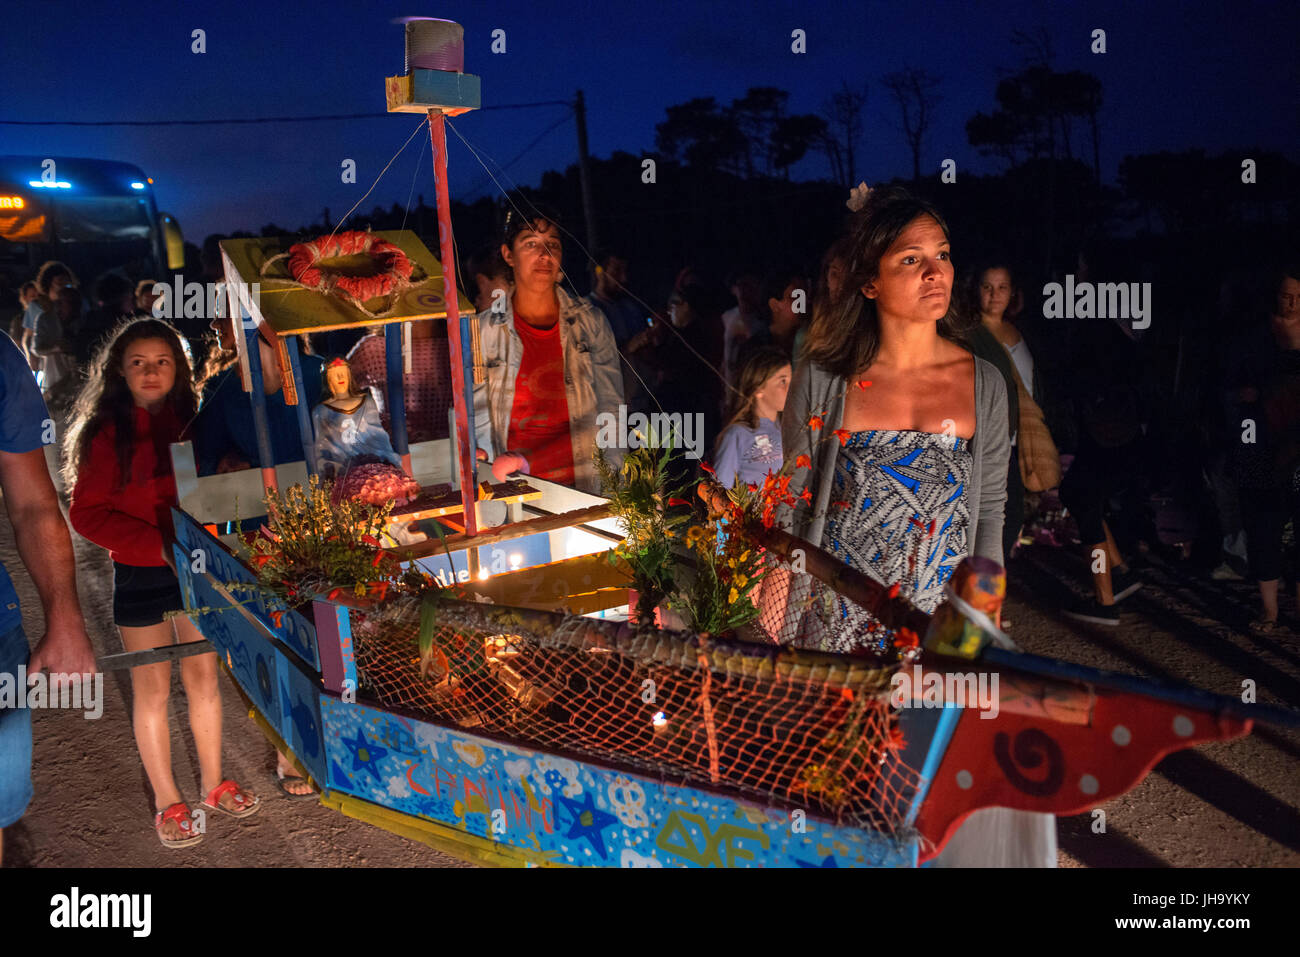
column 1176, row 75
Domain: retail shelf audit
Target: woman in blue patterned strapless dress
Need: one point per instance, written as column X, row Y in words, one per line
column 904, row 441
column 904, row 520
column 905, row 432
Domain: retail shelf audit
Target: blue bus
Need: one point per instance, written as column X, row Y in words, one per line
column 94, row 215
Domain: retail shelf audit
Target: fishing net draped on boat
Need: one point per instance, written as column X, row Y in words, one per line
column 800, row 729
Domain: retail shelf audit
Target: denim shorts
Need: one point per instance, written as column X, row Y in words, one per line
column 15, row 733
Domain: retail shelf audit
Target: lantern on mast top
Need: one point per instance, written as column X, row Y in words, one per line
column 434, row 77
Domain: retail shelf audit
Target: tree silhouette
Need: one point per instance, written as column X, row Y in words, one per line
column 757, row 115
column 1037, row 107
column 843, row 116
column 915, row 93
column 793, row 137
column 752, row 136
column 1033, row 126
column 702, row 135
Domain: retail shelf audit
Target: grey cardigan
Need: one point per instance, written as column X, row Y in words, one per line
column 815, row 391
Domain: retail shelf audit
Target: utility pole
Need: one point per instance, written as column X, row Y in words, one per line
column 584, row 174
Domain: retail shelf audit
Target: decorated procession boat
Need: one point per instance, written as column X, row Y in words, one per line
column 522, row 714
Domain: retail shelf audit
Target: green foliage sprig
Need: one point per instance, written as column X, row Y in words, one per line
column 313, row 546
column 640, row 492
column 706, row 571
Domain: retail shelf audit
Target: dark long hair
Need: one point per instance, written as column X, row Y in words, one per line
column 845, row 337
column 106, row 398
column 217, row 361
column 757, row 368
column 971, row 291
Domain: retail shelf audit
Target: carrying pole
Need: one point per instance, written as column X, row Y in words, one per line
column 461, row 396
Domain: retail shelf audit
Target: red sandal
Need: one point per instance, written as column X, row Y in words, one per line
column 179, row 813
column 243, row 806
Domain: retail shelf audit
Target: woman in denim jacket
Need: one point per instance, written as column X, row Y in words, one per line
column 551, row 362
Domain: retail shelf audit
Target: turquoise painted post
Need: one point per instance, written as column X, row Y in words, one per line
column 467, row 361
column 393, row 371
column 305, row 429
column 261, row 425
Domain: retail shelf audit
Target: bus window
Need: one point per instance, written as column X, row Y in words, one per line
column 102, row 219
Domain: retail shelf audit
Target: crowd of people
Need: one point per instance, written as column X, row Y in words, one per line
column 908, row 404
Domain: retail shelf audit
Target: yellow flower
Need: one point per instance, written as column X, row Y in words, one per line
column 733, row 597
column 694, row 534
column 741, row 581
column 743, row 555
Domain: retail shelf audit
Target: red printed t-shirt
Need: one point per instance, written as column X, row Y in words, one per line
column 539, row 418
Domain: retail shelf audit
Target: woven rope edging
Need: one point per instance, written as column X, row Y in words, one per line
column 304, row 263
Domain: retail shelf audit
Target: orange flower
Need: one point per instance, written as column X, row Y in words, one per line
column 379, row 557
column 842, row 435
column 907, row 638
column 276, row 617
column 863, row 384
column 815, row 422
column 893, row 590
column 678, row 501
column 708, row 468
column 806, row 495
column 802, row 462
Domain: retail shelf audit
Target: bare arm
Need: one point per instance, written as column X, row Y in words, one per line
column 33, row 360
column 46, row 549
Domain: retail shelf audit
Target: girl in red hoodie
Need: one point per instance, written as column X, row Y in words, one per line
column 138, row 399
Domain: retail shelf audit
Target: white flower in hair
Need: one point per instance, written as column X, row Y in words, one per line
column 858, row 197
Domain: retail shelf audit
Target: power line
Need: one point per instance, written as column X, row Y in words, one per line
column 259, row 119
column 522, row 153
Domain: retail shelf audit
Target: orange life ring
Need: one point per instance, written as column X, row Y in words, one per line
column 305, row 264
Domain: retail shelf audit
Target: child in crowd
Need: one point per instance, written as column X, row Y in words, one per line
column 138, row 399
column 750, row 445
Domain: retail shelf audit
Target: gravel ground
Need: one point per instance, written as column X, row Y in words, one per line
column 1227, row 804
column 1231, row 804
